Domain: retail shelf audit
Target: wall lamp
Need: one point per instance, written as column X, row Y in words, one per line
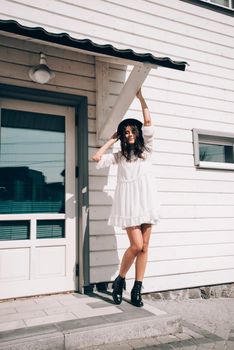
column 41, row 73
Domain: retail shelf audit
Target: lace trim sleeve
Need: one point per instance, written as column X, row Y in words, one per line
column 148, row 134
column 107, row 160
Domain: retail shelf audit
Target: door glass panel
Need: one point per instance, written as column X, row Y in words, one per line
column 50, row 228
column 32, row 162
column 12, row 230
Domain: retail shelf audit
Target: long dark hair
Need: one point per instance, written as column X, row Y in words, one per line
column 137, row 149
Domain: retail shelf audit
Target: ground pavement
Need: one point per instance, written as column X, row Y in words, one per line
column 207, row 324
column 71, row 321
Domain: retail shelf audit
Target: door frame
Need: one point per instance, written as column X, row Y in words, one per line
column 80, row 104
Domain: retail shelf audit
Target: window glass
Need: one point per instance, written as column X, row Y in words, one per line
column 50, row 228
column 13, row 230
column 221, row 2
column 32, row 162
column 216, row 153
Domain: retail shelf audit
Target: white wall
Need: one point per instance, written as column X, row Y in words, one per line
column 194, row 242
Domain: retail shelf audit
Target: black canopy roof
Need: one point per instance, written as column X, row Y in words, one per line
column 88, row 45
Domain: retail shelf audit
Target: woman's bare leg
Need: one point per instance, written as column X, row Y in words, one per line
column 142, row 256
column 136, row 245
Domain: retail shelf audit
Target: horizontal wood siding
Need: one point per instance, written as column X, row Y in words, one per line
column 193, row 244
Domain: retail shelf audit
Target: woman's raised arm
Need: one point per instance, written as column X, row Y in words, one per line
column 145, row 109
column 97, row 156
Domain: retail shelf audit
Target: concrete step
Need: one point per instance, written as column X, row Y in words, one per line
column 129, row 323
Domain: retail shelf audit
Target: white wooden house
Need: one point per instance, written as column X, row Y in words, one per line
column 49, row 132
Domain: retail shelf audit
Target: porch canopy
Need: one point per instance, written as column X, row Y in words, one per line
column 105, row 54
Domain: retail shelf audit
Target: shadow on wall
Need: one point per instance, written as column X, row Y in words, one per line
column 104, row 258
column 104, row 247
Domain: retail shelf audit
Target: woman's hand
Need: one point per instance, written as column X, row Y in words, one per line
column 145, row 109
column 115, row 137
column 97, row 156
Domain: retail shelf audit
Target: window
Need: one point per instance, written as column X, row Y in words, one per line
column 50, row 228
column 32, row 162
column 14, row 230
column 213, row 149
column 222, row 6
column 224, row 3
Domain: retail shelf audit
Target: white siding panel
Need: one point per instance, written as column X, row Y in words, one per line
column 188, row 280
column 179, row 12
column 174, row 267
column 99, row 212
column 173, row 198
column 199, row 224
column 52, row 51
column 218, row 92
column 180, row 185
column 108, row 21
column 170, row 212
column 196, row 101
column 197, row 205
column 100, row 227
column 189, row 265
column 55, row 63
column 99, row 242
column 172, row 225
column 100, row 198
column 192, row 173
column 168, row 260
column 167, row 282
column 172, row 239
column 219, row 79
column 193, row 211
column 15, row 71
column 112, row 21
column 196, row 11
column 188, row 252
column 221, row 122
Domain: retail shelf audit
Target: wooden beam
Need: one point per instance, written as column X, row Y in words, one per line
column 111, row 119
column 102, row 94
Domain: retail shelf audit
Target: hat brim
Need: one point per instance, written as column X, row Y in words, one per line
column 126, row 122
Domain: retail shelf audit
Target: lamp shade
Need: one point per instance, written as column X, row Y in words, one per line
column 41, row 73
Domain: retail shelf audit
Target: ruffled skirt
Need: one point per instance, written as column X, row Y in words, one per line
column 135, row 202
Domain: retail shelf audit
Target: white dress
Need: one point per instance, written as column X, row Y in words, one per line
column 136, row 199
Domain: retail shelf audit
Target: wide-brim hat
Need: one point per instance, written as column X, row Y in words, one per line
column 126, row 122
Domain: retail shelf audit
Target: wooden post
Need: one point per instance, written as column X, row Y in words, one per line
column 102, row 93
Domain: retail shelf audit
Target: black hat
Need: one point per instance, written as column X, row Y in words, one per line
column 126, row 122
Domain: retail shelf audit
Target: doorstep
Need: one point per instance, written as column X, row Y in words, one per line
column 74, row 321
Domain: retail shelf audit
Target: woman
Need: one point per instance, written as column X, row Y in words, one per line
column 135, row 205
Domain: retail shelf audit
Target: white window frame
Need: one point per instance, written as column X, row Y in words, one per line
column 211, row 137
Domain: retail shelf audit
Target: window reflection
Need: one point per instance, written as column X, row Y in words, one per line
column 216, row 153
column 221, row 2
column 32, row 162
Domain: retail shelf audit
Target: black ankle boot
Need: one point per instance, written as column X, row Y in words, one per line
column 118, row 286
column 136, row 294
